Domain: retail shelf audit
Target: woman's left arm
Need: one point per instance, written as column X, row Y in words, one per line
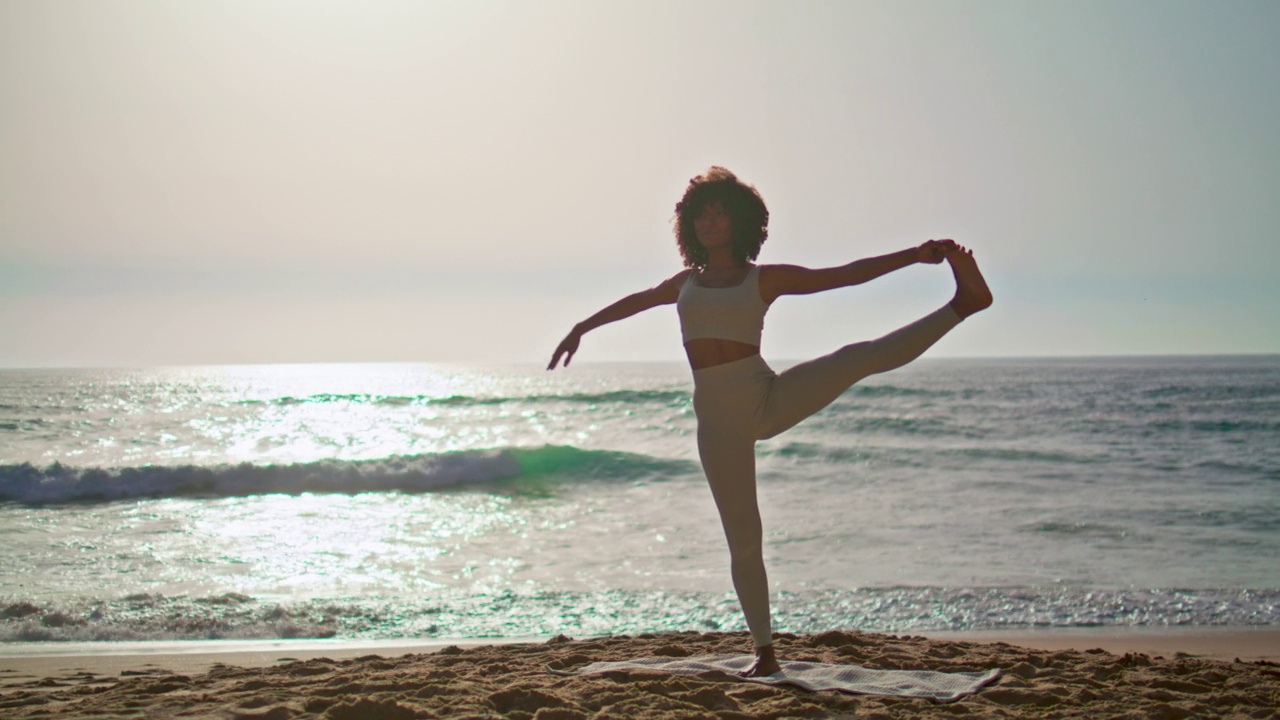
column 778, row 280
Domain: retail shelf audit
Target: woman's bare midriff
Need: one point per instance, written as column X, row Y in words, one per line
column 708, row 352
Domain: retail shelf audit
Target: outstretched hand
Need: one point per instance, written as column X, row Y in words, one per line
column 567, row 348
column 935, row 251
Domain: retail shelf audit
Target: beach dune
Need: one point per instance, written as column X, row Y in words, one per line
column 516, row 681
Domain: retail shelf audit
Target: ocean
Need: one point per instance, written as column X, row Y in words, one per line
column 371, row 502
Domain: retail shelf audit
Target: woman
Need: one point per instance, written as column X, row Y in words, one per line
column 722, row 297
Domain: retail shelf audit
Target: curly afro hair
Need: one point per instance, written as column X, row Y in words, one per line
column 747, row 214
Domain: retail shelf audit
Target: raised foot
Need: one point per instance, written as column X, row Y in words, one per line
column 972, row 293
column 766, row 663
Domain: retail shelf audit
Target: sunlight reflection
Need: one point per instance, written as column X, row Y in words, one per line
column 301, row 413
column 308, row 545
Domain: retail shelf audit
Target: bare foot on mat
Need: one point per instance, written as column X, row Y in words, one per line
column 766, row 663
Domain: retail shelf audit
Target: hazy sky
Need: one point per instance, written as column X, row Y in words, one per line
column 268, row 181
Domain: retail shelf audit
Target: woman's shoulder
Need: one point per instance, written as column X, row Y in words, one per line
column 775, row 279
column 781, row 269
column 775, row 268
column 763, row 270
column 680, row 277
column 675, row 282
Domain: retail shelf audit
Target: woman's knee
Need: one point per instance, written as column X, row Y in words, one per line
column 745, row 543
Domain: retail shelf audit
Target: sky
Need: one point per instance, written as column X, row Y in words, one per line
column 266, row 181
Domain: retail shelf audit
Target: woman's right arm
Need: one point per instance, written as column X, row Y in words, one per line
column 664, row 293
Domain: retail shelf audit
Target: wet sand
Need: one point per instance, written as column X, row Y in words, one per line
column 1091, row 674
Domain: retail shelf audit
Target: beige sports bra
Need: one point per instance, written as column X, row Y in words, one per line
column 732, row 313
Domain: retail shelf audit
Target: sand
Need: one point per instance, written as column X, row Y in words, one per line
column 512, row 680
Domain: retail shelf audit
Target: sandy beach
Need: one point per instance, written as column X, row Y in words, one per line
column 1207, row 673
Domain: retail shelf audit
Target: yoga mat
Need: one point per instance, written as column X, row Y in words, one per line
column 938, row 686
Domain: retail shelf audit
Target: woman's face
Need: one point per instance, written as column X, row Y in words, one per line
column 712, row 226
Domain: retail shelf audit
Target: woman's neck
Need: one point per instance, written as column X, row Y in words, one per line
column 723, row 259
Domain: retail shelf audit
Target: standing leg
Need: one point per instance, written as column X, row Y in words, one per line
column 728, row 459
column 727, row 400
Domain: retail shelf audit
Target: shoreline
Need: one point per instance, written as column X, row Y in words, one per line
column 186, row 657
column 1249, row 643
column 524, row 678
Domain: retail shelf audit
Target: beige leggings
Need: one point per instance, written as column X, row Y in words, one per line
column 743, row 401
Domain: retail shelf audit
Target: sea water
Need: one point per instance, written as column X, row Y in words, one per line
column 424, row 501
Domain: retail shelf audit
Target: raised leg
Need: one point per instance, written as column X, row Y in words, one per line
column 804, row 389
